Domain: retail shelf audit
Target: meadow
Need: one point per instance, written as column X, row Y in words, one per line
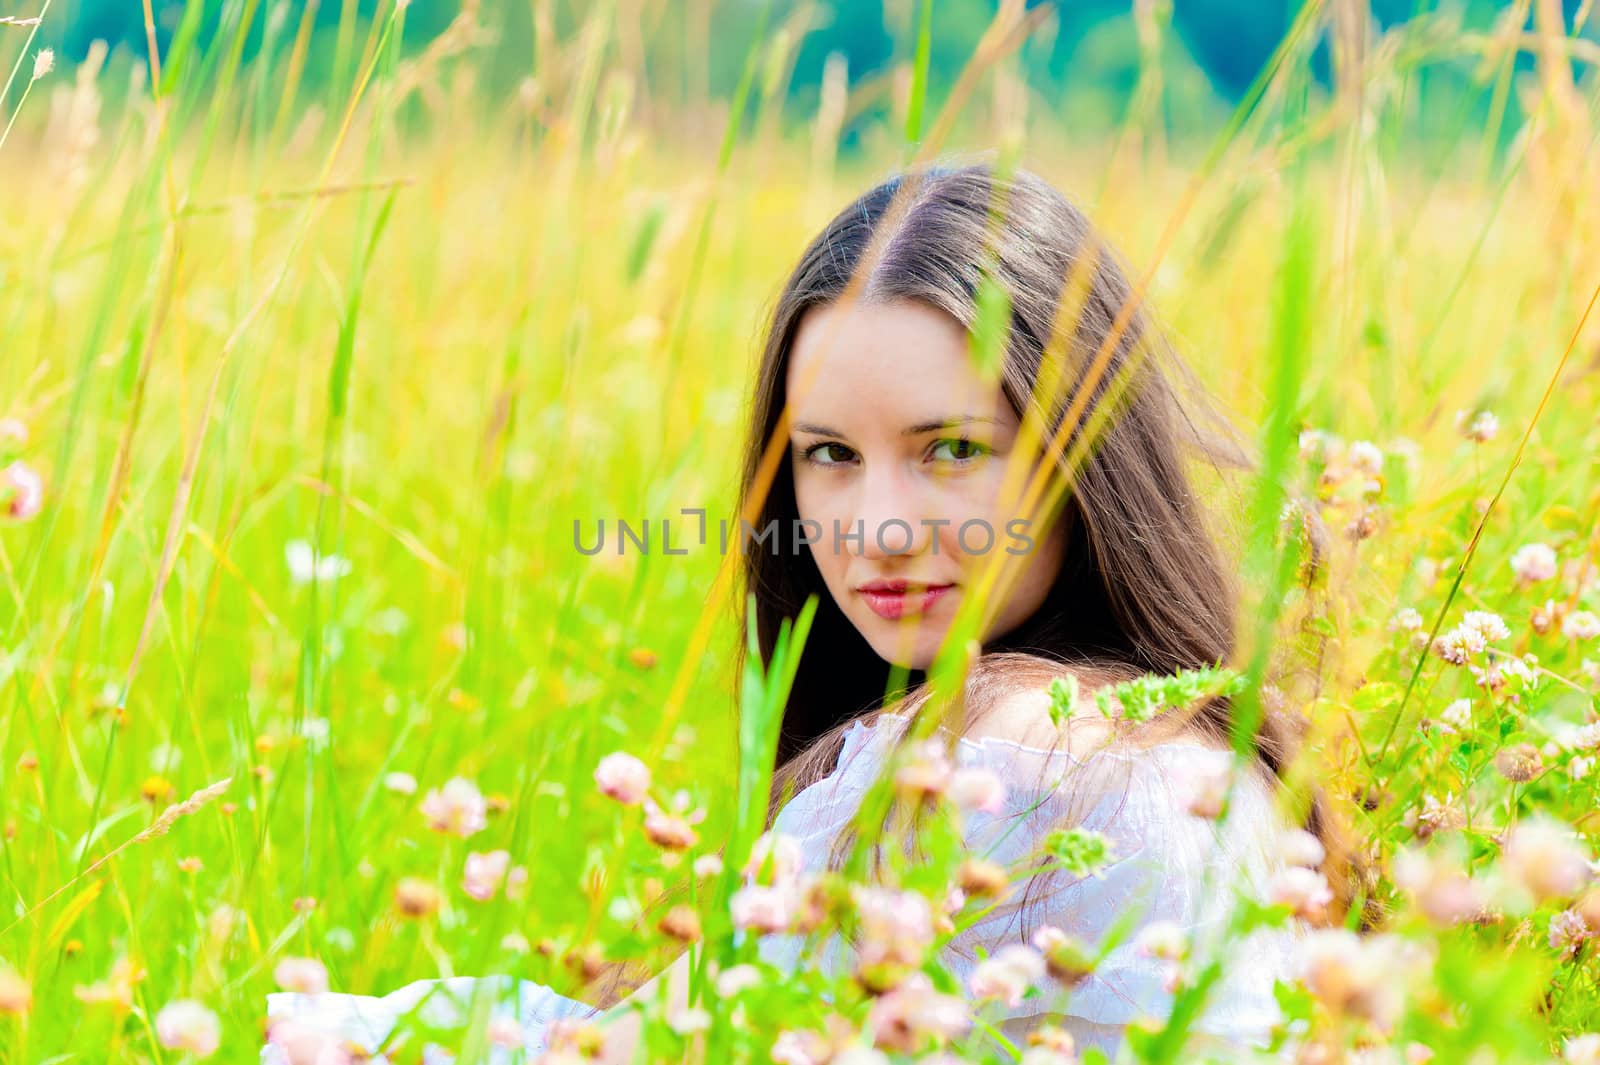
column 304, row 390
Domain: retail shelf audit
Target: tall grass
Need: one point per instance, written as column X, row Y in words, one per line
column 425, row 331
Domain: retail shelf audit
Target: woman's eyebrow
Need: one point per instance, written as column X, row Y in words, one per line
column 954, row 422
column 947, row 423
column 815, row 430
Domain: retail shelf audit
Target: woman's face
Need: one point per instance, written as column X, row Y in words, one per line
column 896, row 436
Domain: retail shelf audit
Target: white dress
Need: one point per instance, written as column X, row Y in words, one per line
column 1168, row 866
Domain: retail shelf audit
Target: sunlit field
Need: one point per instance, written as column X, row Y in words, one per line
column 308, row 374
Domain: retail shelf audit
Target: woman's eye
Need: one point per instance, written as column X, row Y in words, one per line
column 829, row 454
column 958, row 450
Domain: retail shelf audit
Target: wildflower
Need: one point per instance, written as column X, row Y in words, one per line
column 581, row 1037
column 1487, row 624
column 1302, row 848
column 1316, row 445
column 1458, row 715
column 1580, row 625
column 1503, row 670
column 1444, row 893
column 927, row 774
column 1541, row 856
column 859, row 1056
column 1008, row 974
column 117, row 989
column 1304, row 891
column 306, row 566
column 1066, row 957
column 1534, row 562
column 1203, row 783
column 1363, row 526
column 1568, row 932
column 186, row 1025
column 775, row 853
column 458, row 808
column 736, row 979
column 1580, row 767
column 484, row 873
column 1458, row 646
column 797, row 1048
column 16, row 996
column 1582, row 1049
column 642, row 658
column 400, row 783
column 681, row 923
column 190, row 864
column 1479, row 426
column 303, row 1044
column 982, row 879
column 43, row 62
column 672, row 830
column 913, row 1013
column 21, row 491
column 305, row 975
column 1365, row 457
column 977, row 789
column 417, row 898
column 1051, row 1037
column 762, row 909
column 896, row 930
column 1518, row 764
column 1353, row 976
column 686, row 1021
column 505, row 1032
column 1435, row 815
column 1406, row 620
column 1164, row 940
column 1081, row 851
column 623, row 777
column 13, row 436
column 707, row 866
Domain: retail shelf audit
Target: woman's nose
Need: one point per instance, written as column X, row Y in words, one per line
column 889, row 519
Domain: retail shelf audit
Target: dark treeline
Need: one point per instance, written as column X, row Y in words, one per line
column 1086, row 56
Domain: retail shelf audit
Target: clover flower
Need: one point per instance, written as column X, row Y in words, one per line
column 977, row 789
column 1007, row 974
column 21, row 491
column 1542, row 857
column 458, row 808
column 927, row 772
column 1580, row 625
column 1534, row 562
column 623, row 777
column 1444, row 893
column 184, row 1024
column 308, row 976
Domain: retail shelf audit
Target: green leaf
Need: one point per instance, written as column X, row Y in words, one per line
column 1063, row 699
column 1080, row 851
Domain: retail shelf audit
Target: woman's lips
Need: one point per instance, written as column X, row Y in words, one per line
column 894, row 599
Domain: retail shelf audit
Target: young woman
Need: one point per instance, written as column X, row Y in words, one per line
column 966, row 430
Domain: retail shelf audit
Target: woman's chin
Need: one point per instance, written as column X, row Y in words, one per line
column 911, row 650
